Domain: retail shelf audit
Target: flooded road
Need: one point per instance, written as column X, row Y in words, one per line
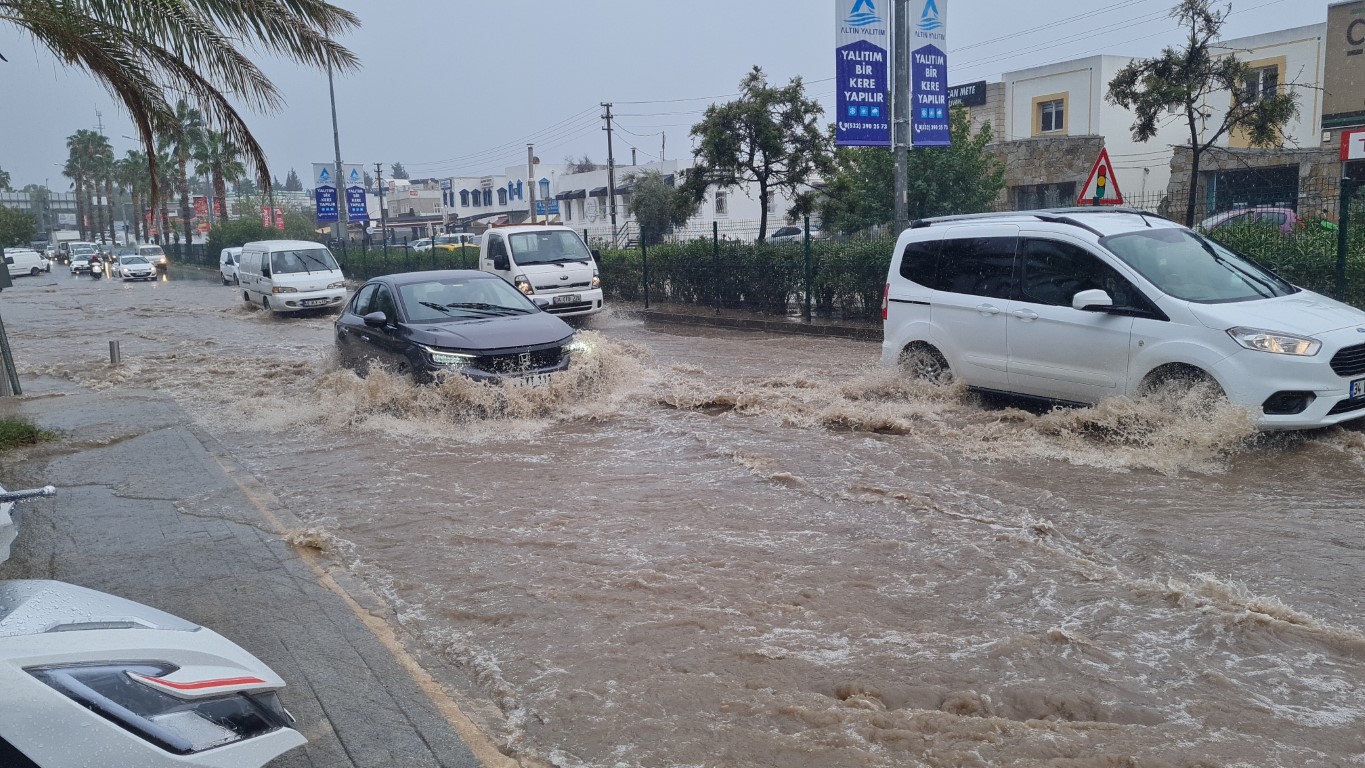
column 711, row 548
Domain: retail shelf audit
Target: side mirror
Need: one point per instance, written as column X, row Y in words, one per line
column 500, row 262
column 376, row 319
column 1093, row 300
column 265, row 271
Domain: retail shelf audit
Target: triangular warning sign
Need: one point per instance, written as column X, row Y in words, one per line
column 1102, row 188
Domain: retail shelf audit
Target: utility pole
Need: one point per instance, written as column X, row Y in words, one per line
column 531, row 180
column 663, row 147
column 900, row 106
column 343, row 210
column 383, row 215
column 611, row 173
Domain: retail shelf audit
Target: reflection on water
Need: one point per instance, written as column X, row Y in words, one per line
column 692, row 550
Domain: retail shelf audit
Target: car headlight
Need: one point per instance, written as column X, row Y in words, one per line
column 596, row 281
column 577, row 346
column 283, row 289
column 134, row 697
column 523, row 285
column 337, row 284
column 444, row 357
column 1275, row 342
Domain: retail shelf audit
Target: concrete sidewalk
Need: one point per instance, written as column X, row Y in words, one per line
column 152, row 509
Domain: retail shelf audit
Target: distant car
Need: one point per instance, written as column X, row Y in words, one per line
column 26, row 261
column 458, row 321
column 154, row 255
column 135, row 267
column 451, row 242
column 793, row 235
column 227, row 265
column 421, row 245
column 1283, row 218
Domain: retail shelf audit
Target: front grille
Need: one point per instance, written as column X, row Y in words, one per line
column 1346, row 406
column 1350, row 361
column 556, row 309
column 525, row 361
column 558, row 286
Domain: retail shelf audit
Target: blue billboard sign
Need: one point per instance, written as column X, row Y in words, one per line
column 861, row 66
column 356, row 208
column 547, row 207
column 326, row 203
column 929, row 77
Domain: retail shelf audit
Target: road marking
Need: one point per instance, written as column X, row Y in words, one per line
column 484, row 750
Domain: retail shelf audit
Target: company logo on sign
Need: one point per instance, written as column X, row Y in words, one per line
column 324, row 176
column 355, row 176
column 864, row 14
column 929, row 20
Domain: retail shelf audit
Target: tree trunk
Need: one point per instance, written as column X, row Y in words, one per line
column 165, row 228
column 762, row 211
column 220, row 193
column 185, row 213
column 98, row 233
column 1194, row 186
column 80, row 207
column 109, row 199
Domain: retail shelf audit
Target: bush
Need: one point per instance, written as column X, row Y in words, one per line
column 15, row 433
column 1306, row 258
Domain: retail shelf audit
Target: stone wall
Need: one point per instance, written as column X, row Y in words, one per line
column 1319, row 173
column 1045, row 160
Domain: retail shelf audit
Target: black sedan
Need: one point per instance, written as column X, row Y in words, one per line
column 457, row 321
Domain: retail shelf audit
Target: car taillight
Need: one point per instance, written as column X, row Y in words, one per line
column 886, row 300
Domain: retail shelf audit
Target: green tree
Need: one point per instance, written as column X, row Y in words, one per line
column 86, row 153
column 16, row 227
column 961, row 178
column 1185, row 80
column 4, row 180
column 181, row 135
column 768, row 136
column 397, row 171
column 292, row 182
column 657, row 207
column 151, row 54
column 219, row 159
column 131, row 173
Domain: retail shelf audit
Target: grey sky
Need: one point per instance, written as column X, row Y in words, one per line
column 452, row 86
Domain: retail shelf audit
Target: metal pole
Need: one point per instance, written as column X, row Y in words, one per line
column 611, row 174
column 644, row 264
column 339, row 224
column 383, row 215
column 531, row 180
column 115, row 355
column 715, row 260
column 1348, row 191
column 809, row 271
column 900, row 106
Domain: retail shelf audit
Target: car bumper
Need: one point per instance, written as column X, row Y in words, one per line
column 306, row 300
column 430, row 371
column 589, row 302
column 1251, row 378
column 147, row 275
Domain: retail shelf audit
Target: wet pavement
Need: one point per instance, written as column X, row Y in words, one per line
column 713, row 547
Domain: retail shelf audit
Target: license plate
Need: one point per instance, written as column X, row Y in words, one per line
column 567, row 298
column 1357, row 388
column 537, row 380
column 313, row 302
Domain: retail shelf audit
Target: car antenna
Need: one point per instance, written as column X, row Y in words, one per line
column 1143, row 215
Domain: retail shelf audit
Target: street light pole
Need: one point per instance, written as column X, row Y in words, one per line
column 340, row 223
column 900, row 104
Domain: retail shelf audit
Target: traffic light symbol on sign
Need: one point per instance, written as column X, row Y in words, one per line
column 1101, row 188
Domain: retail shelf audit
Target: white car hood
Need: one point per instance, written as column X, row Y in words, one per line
column 1304, row 313
column 38, row 607
column 559, row 276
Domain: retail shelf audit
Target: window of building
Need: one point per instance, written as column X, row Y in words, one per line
column 722, row 203
column 488, row 197
column 1051, row 116
column 568, row 210
column 502, row 196
column 1032, row 196
column 520, row 191
column 1262, row 83
column 464, row 197
column 544, row 189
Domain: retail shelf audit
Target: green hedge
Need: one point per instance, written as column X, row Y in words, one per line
column 362, row 264
column 1306, row 258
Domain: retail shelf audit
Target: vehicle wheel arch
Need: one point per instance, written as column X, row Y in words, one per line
column 1175, row 371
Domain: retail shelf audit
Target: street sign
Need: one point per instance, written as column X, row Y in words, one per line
column 861, row 68
column 325, row 189
column 1101, row 188
column 1352, row 145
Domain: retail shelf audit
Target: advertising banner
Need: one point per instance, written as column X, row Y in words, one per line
column 279, row 219
column 356, row 207
column 862, row 67
column 929, row 75
column 266, row 218
column 325, row 192
column 201, row 206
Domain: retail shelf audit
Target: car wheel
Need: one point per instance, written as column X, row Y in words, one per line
column 236, row 280
column 265, row 303
column 246, row 297
column 924, row 362
column 225, row 280
column 35, row 271
column 1182, row 387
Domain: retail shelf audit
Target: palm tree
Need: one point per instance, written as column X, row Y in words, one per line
column 150, row 54
column 181, row 137
column 219, row 159
column 84, row 149
column 131, row 172
column 104, row 175
column 162, row 175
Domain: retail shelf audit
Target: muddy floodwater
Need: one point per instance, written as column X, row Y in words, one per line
column 713, row 548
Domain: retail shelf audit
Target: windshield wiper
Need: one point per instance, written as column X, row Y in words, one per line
column 493, row 308
column 1246, row 276
column 434, row 305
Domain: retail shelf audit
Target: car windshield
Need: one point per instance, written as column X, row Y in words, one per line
column 151, row 250
column 309, row 260
column 1187, row 266
column 133, row 260
column 462, row 298
column 547, row 247
column 82, row 250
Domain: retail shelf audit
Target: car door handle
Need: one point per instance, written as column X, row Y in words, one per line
column 988, row 309
column 363, row 337
column 1025, row 314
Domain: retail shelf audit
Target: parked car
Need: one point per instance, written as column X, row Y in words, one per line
column 450, row 242
column 421, row 245
column 1078, row 305
column 458, row 321
column 134, row 267
column 290, row 275
column 793, row 235
column 1283, row 218
column 26, row 261
column 227, row 265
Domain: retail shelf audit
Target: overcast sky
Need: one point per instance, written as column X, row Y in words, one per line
column 453, row 87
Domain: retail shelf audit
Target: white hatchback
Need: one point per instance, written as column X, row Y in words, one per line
column 1077, row 305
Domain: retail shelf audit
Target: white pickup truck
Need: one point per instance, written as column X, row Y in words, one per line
column 549, row 264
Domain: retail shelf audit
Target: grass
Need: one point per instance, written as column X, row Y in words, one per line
column 15, row 433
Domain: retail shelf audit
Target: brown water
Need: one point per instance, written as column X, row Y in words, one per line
column 716, row 548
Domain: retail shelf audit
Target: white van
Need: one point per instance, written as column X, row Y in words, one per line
column 290, row 275
column 25, row 261
column 548, row 263
column 227, row 264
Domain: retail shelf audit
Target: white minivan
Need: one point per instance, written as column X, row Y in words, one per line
column 26, row 261
column 290, row 275
column 1078, row 305
column 227, row 264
